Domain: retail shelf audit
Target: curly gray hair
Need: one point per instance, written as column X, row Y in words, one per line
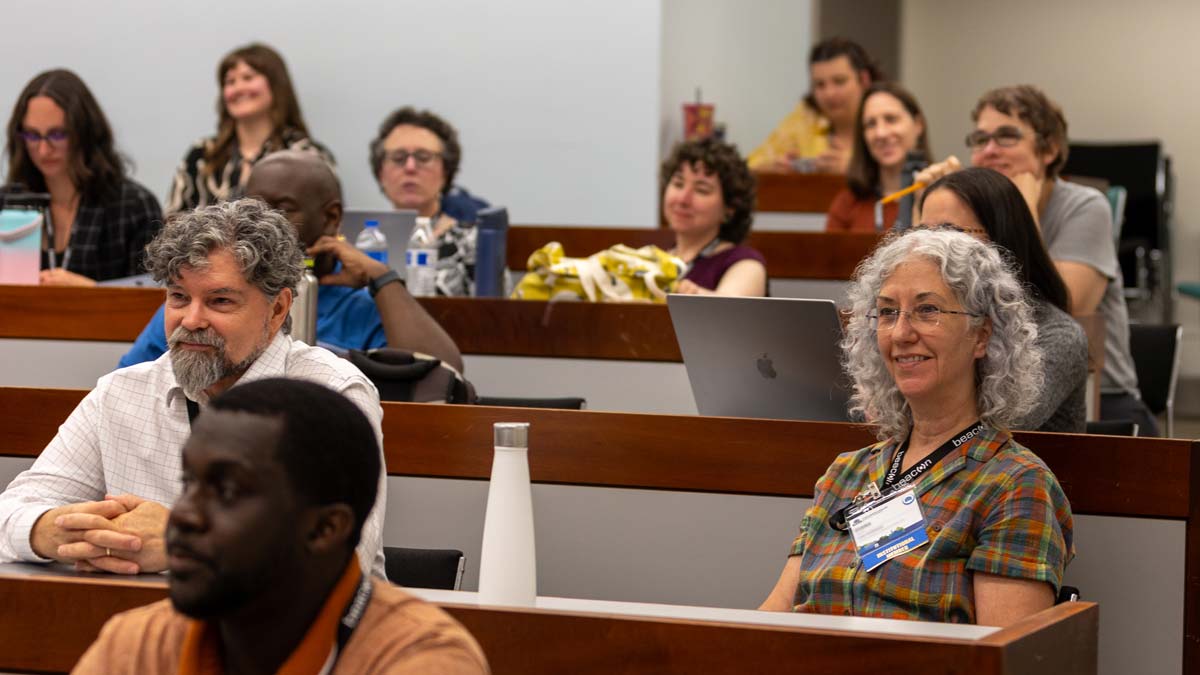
column 1008, row 378
column 262, row 241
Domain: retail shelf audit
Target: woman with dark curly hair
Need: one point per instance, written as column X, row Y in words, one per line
column 258, row 113
column 59, row 142
column 707, row 195
column 415, row 157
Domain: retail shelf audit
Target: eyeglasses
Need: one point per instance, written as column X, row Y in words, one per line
column 1006, row 137
column 422, row 157
column 973, row 231
column 55, row 137
column 923, row 318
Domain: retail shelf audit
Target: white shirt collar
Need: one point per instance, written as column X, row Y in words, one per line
column 271, row 363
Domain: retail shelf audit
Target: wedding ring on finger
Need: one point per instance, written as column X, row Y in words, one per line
column 108, row 552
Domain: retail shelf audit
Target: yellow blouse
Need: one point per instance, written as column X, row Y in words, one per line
column 803, row 133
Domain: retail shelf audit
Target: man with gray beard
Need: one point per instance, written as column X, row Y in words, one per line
column 95, row 495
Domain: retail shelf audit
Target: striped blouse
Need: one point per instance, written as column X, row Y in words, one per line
column 192, row 187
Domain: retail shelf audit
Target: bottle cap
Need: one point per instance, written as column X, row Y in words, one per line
column 511, row 434
column 309, row 262
column 371, row 223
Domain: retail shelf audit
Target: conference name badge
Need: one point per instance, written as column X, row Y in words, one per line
column 887, row 527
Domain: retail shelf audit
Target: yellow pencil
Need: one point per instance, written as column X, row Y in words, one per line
column 902, row 193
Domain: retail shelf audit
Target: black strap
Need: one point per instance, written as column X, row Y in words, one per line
column 353, row 614
column 893, row 478
column 193, row 410
column 709, row 248
column 893, row 482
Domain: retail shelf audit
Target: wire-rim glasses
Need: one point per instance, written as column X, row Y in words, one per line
column 922, row 318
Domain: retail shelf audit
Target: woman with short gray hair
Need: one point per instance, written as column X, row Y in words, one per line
column 940, row 348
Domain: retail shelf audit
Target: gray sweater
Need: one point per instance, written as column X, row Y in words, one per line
column 1062, row 405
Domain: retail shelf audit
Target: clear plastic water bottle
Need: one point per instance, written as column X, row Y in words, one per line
column 372, row 241
column 420, row 260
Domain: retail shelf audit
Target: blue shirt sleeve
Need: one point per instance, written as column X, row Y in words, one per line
column 150, row 345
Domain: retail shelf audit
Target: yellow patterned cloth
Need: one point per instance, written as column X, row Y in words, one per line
column 616, row 274
column 803, row 133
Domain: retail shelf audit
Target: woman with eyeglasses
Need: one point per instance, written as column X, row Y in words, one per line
column 1020, row 132
column 941, row 350
column 889, row 126
column 59, row 142
column 989, row 206
column 415, row 157
column 258, row 114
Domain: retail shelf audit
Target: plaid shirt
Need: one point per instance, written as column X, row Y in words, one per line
column 108, row 239
column 990, row 506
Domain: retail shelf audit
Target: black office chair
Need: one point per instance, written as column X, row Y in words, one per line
column 1144, row 170
column 1112, row 428
column 1155, row 350
column 405, row 376
column 424, row 567
column 562, row 403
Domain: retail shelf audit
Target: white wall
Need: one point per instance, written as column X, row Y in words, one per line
column 556, row 103
column 749, row 58
column 1120, row 70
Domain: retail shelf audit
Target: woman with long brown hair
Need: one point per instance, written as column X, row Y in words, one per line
column 258, row 114
column 890, row 124
column 59, row 142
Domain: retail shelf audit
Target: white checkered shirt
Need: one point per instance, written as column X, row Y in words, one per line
column 126, row 436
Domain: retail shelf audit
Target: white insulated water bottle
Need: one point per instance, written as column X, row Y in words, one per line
column 508, row 560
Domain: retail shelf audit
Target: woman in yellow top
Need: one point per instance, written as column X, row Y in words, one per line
column 818, row 135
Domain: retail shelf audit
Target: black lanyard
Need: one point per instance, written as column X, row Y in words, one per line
column 709, row 248
column 893, row 478
column 892, row 481
column 193, row 410
column 352, row 615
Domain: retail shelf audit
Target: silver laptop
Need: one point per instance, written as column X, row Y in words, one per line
column 774, row 358
column 397, row 226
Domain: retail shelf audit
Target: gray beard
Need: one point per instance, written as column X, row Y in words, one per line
column 197, row 371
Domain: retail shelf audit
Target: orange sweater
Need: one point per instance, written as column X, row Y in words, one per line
column 848, row 213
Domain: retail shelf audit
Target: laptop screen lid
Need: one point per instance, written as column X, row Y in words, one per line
column 773, row 358
column 397, row 226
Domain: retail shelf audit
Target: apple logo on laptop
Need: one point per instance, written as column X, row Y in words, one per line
column 765, row 367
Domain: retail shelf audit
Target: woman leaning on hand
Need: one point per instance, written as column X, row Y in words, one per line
column 816, row 137
column 941, row 351
column 258, row 114
column 59, row 142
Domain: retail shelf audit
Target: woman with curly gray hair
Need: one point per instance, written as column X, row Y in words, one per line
column 941, row 350
column 708, row 202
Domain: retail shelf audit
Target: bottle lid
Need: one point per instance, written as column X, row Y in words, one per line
column 371, row 223
column 511, row 434
column 309, row 262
